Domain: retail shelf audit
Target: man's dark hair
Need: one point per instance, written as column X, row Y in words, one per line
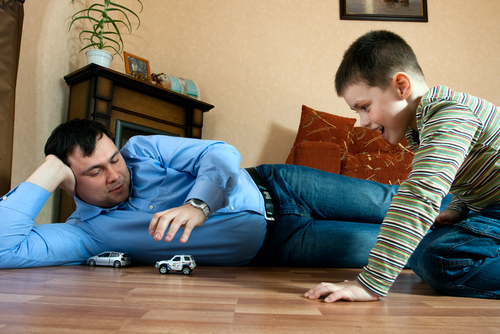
column 76, row 132
column 373, row 59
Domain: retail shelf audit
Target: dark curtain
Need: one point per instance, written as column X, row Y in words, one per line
column 11, row 23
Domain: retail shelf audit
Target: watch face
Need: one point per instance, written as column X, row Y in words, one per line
column 197, row 201
column 200, row 205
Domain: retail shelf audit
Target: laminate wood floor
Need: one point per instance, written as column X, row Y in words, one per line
column 81, row 299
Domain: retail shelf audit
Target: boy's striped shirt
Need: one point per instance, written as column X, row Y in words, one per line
column 458, row 152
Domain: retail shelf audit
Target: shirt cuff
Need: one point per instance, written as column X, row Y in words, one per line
column 208, row 193
column 376, row 286
column 458, row 207
column 27, row 198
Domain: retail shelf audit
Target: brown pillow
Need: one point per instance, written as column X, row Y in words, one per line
column 366, row 140
column 372, row 157
column 319, row 155
column 321, row 126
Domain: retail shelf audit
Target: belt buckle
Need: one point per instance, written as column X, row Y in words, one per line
column 268, row 217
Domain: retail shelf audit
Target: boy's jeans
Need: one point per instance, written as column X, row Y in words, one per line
column 330, row 220
column 463, row 259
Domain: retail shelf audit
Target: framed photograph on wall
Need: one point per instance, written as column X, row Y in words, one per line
column 137, row 64
column 384, row 10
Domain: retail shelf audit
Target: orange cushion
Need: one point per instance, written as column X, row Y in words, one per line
column 332, row 143
column 321, row 126
column 383, row 168
column 372, row 157
column 363, row 140
column 290, row 160
column 319, row 155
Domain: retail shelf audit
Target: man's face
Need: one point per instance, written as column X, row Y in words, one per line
column 103, row 178
column 380, row 110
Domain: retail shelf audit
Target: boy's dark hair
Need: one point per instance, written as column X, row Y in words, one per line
column 76, row 132
column 373, row 59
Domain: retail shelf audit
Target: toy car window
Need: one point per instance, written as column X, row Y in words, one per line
column 115, row 254
column 177, row 258
column 126, row 255
column 104, row 255
column 186, row 258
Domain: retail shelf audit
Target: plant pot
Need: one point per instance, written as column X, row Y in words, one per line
column 99, row 57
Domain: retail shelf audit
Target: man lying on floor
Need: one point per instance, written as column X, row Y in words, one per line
column 160, row 196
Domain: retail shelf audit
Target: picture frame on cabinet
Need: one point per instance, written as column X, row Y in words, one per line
column 136, row 64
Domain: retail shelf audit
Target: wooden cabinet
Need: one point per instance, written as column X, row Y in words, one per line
column 126, row 104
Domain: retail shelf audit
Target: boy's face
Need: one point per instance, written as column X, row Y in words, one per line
column 103, row 178
column 380, row 110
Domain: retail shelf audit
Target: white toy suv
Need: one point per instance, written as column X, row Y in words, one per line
column 184, row 263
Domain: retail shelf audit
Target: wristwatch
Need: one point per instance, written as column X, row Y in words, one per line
column 199, row 204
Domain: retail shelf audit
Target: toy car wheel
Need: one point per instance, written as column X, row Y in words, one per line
column 186, row 270
column 163, row 269
column 92, row 263
column 117, row 264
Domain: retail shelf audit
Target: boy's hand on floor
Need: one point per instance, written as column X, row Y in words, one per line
column 348, row 290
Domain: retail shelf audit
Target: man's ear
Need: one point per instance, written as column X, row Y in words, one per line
column 402, row 81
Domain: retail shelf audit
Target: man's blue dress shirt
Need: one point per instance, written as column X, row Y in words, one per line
column 165, row 171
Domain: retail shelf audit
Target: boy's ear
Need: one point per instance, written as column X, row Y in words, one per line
column 402, row 82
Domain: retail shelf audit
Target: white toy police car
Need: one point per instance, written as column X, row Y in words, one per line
column 183, row 263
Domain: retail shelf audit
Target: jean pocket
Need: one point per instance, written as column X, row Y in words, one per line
column 482, row 226
column 458, row 271
column 480, row 275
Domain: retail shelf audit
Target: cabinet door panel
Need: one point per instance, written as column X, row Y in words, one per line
column 151, row 107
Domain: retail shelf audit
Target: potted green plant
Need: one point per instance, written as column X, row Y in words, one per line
column 107, row 18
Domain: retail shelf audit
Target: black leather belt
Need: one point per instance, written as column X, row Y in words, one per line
column 269, row 213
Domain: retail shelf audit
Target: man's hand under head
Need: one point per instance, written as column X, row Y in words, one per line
column 54, row 173
column 185, row 216
column 348, row 290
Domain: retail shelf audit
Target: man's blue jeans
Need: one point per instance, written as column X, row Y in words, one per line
column 330, row 220
column 323, row 219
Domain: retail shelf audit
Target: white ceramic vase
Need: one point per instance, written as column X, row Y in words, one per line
column 99, row 57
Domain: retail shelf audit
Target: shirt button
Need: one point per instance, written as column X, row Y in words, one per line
column 130, row 198
column 107, row 210
column 232, row 208
column 261, row 210
column 151, row 207
column 4, row 198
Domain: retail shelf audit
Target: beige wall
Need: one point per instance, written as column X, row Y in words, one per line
column 257, row 61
